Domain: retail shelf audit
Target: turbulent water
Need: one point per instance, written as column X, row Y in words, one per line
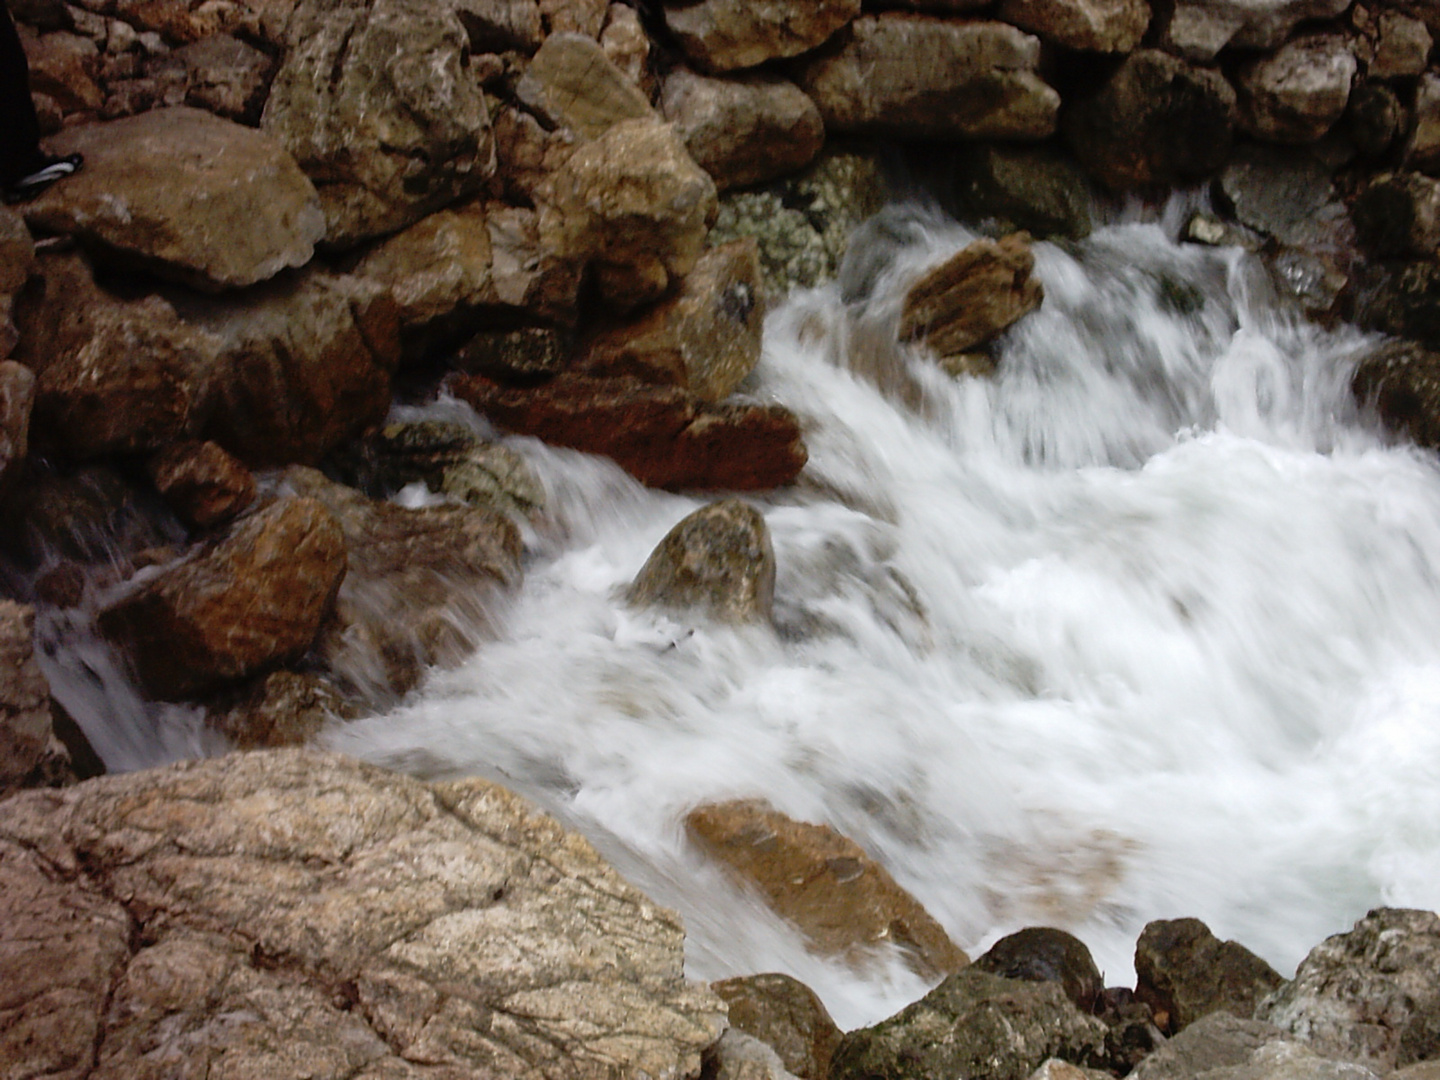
column 1145, row 625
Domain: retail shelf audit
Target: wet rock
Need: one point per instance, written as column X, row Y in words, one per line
column 376, row 101
column 495, row 476
column 1399, row 214
column 112, row 375
column 305, row 364
column 290, row 912
column 1055, row 1069
column 1401, row 380
column 30, row 753
column 227, row 77
column 17, row 397
column 1094, row 25
column 1402, row 46
column 1423, row 150
column 283, row 708
column 738, row 1056
column 17, row 258
column 203, row 484
column 802, row 224
column 1370, row 995
column 250, row 600
column 1044, row 954
column 91, row 517
column 717, row 560
column 524, row 357
column 1030, row 188
column 1297, row 94
column 746, row 129
column 1285, row 195
column 1184, row 972
column 972, row 296
column 845, row 903
column 635, row 205
column 706, row 339
column 917, row 77
column 418, row 589
column 186, row 195
column 785, row 1015
column 1216, row 1041
column 975, row 1025
column 661, row 435
column 1199, row 29
column 1157, row 121
column 722, row 35
column 1374, row 119
column 572, row 83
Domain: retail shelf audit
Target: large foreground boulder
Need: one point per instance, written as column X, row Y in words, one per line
column 184, row 194
column 916, row 77
column 846, row 904
column 296, row 914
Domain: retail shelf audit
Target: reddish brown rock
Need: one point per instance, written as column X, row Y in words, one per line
column 845, row 903
column 787, row 1016
column 113, row 375
column 225, row 76
column 283, row 708
column 722, row 35
column 527, row 152
column 203, row 484
column 17, row 397
column 744, row 129
column 661, row 435
column 249, row 601
column 914, row 76
column 1184, row 972
column 1093, row 25
column 30, row 753
column 969, row 298
column 63, row 67
column 186, row 195
column 706, row 339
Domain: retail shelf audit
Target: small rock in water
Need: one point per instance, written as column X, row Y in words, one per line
column 284, row 708
column 718, row 560
column 495, row 476
column 1401, row 379
column 1044, row 954
column 972, row 296
column 1185, row 972
column 203, row 484
column 787, row 1016
column 844, row 902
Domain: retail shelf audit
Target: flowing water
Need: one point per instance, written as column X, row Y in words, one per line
column 1146, row 625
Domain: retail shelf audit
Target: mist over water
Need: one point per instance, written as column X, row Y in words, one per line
column 1146, row 625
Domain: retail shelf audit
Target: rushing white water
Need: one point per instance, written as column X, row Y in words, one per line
column 1146, row 625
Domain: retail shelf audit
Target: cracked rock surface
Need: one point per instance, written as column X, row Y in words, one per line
column 291, row 913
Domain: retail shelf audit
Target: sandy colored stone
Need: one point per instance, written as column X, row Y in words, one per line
column 1402, row 46
column 63, row 66
column 1199, row 29
column 918, row 77
column 846, row 904
column 578, row 16
column 628, row 46
column 744, row 129
column 722, row 35
column 572, row 83
column 1423, row 150
column 971, row 297
column 1218, row 1041
column 187, row 195
column 299, row 914
column 226, row 76
column 1093, row 25
column 718, row 561
column 705, row 339
column 1297, row 94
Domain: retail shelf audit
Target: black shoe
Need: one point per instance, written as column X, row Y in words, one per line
column 27, row 187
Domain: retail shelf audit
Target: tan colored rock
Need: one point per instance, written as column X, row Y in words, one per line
column 634, row 204
column 572, row 83
column 113, row 375
column 305, row 363
column 578, row 16
column 661, row 435
column 376, row 101
column 1091, row 25
column 419, row 588
column 30, row 754
column 705, row 339
column 717, row 560
column 1299, row 93
column 525, row 271
column 251, row 600
column 744, row 129
column 226, row 76
column 187, row 195
column 62, row 66
column 289, row 913
column 975, row 294
column 1199, row 29
column 203, row 484
column 1402, row 46
column 787, row 1016
column 918, row 77
column 17, row 398
column 628, row 46
column 1055, row 1069
column 527, row 153
column 844, row 902
column 722, row 35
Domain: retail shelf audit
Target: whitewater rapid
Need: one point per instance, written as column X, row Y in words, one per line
column 1146, row 625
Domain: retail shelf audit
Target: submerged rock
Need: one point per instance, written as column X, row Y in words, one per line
column 186, row 195
column 285, row 913
column 718, row 560
column 1369, row 995
column 971, row 297
column 1184, row 972
column 845, row 903
column 975, row 1025
column 785, row 1015
column 251, row 600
